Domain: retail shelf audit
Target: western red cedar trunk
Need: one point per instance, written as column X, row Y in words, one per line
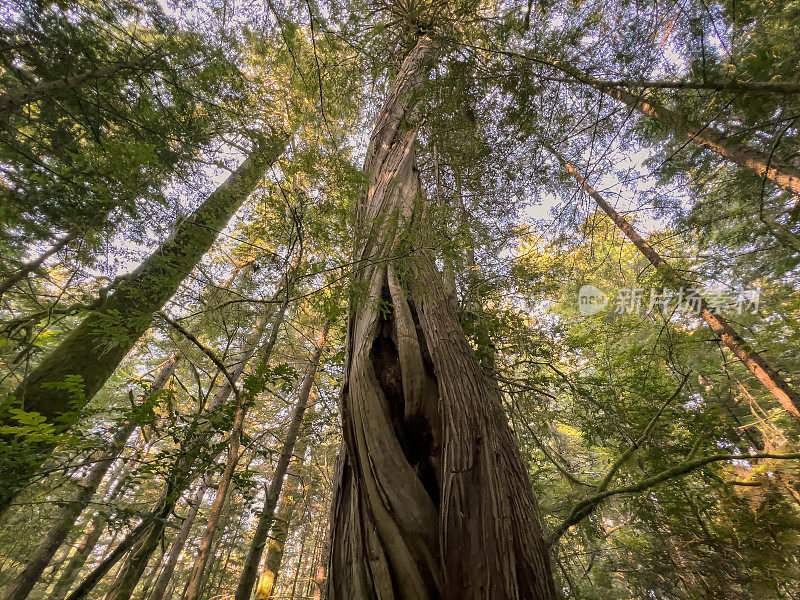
column 787, row 396
column 95, row 348
column 247, row 579
column 432, row 499
column 65, row 520
column 164, row 578
column 290, row 496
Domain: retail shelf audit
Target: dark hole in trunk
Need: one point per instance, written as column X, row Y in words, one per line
column 414, row 434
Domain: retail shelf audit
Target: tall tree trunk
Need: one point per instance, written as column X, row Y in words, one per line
column 788, row 398
column 197, row 576
column 66, row 519
column 94, row 349
column 757, row 161
column 204, row 550
column 431, row 499
column 165, row 577
column 247, row 579
column 160, row 513
column 15, row 99
column 290, row 496
column 83, row 550
column 319, row 584
column 29, row 267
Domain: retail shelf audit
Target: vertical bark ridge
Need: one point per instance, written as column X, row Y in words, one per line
column 431, row 497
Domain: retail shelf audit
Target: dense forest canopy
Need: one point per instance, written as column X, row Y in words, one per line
column 399, row 299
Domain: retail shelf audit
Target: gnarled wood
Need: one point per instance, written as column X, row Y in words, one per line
column 431, row 497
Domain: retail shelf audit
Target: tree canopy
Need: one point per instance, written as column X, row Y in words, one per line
column 399, row 299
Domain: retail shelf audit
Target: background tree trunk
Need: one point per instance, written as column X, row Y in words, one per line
column 788, row 398
column 65, row 521
column 165, row 577
column 91, row 351
column 247, row 579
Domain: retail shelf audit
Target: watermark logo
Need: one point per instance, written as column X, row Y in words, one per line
column 591, row 300
column 692, row 301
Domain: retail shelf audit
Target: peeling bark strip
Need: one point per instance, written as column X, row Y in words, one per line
column 431, row 496
column 94, row 349
column 787, row 396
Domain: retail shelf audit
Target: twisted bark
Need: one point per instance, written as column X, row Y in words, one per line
column 431, row 498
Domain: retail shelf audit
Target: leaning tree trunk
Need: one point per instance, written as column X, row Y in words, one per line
column 204, row 549
column 247, row 579
column 290, row 496
column 94, row 349
column 65, row 520
column 763, row 164
column 13, row 100
column 164, row 578
column 432, row 499
column 787, row 396
column 69, row 572
column 197, row 576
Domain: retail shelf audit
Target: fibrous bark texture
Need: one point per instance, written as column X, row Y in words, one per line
column 432, row 499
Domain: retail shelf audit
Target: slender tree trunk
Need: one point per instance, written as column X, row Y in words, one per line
column 136, row 563
column 247, row 579
column 16, row 99
column 431, row 498
column 204, row 550
column 788, row 398
column 165, row 577
column 320, row 578
column 66, row 519
column 771, row 379
column 94, row 348
column 67, row 575
column 115, row 555
column 88, row 487
column 290, row 496
column 92, row 536
column 181, row 475
column 761, row 163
